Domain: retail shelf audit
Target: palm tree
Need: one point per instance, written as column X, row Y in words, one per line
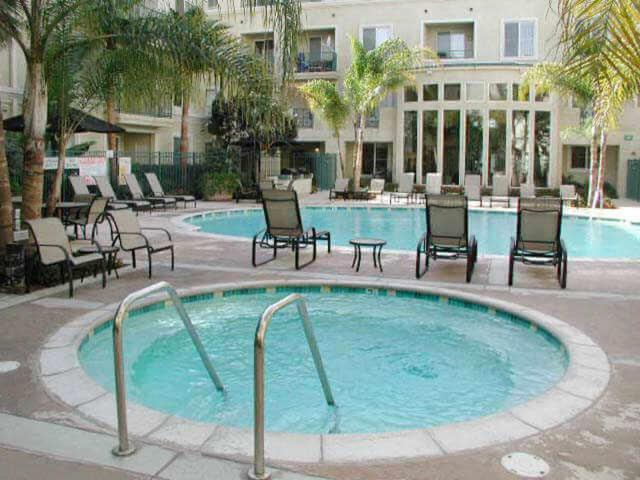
column 369, row 79
column 6, row 207
column 323, row 96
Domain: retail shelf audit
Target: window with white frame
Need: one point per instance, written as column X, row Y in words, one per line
column 475, row 91
column 373, row 37
column 579, row 157
column 303, row 117
column 519, row 39
column 373, row 119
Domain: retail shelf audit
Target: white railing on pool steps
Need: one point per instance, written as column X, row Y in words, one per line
column 125, row 447
column 258, row 472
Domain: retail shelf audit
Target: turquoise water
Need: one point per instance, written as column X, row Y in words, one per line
column 394, row 362
column 402, row 228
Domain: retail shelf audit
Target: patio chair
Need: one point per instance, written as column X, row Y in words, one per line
column 129, row 234
column 93, row 215
column 568, row 193
column 405, row 188
column 137, row 194
column 447, row 236
column 434, row 184
column 527, row 191
column 284, row 228
column 54, row 248
column 157, row 190
column 80, row 191
column 376, row 187
column 244, row 193
column 500, row 191
column 106, row 191
column 538, row 240
column 473, row 188
column 340, row 189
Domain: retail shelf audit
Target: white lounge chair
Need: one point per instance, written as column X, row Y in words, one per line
column 473, row 187
column 158, row 191
column 500, row 192
column 137, row 194
column 527, row 191
column 376, row 187
column 568, row 193
column 106, row 191
column 434, row 184
column 405, row 188
column 340, row 189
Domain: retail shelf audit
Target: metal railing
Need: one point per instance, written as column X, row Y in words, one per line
column 325, row 60
column 258, row 472
column 125, row 447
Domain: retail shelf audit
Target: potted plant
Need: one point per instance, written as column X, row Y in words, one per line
column 219, row 186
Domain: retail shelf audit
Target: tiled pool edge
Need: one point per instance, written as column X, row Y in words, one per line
column 585, row 380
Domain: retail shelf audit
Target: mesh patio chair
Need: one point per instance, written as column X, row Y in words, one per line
column 92, row 215
column 54, row 248
column 340, row 189
column 106, row 191
column 405, row 188
column 137, row 194
column 447, row 236
column 80, row 191
column 284, row 228
column 500, row 191
column 131, row 239
column 538, row 240
column 568, row 193
column 376, row 187
column 473, row 188
column 527, row 191
column 434, row 184
column 158, row 191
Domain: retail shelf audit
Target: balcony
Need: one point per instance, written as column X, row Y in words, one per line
column 163, row 111
column 451, row 54
column 324, row 60
column 451, row 41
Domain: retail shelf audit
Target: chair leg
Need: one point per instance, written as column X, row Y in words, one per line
column 133, row 258
column 150, row 262
column 296, row 249
column 70, row 273
column 329, row 242
column 104, row 274
column 172, row 259
column 511, row 262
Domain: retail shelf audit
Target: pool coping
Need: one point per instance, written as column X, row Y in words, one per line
column 193, row 230
column 586, row 378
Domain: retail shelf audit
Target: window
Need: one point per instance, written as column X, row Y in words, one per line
column 304, row 117
column 452, row 91
column 429, row 141
column 451, row 160
column 373, row 119
column 474, row 142
column 410, row 94
column 542, row 94
column 451, row 45
column 520, row 93
column 410, row 141
column 265, row 49
column 520, row 151
column 212, row 3
column 497, row 142
column 475, row 92
column 375, row 157
column 373, row 37
column 498, row 91
column 542, row 149
column 579, row 157
column 519, row 39
column 430, row 92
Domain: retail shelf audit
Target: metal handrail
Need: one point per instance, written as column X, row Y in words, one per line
column 258, row 471
column 125, row 447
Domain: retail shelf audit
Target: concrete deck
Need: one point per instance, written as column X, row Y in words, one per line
column 602, row 300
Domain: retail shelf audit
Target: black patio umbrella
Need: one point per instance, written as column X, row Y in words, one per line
column 83, row 121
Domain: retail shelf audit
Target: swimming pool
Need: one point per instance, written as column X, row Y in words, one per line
column 402, row 227
column 413, row 361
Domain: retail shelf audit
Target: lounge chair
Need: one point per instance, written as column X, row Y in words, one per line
column 473, row 188
column 157, row 190
column 284, row 228
column 129, row 234
column 54, row 248
column 137, row 194
column 538, row 240
column 500, row 191
column 527, row 191
column 376, row 187
column 244, row 193
column 340, row 189
column 106, row 191
column 93, row 215
column 447, row 236
column 568, row 193
column 434, row 184
column 80, row 191
column 405, row 188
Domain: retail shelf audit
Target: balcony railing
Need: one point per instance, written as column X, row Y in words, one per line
column 165, row 111
column 323, row 61
column 456, row 54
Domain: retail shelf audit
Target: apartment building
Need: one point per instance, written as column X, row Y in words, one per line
column 470, row 114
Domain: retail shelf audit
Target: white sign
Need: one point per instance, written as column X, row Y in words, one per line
column 51, row 163
column 90, row 167
column 124, row 168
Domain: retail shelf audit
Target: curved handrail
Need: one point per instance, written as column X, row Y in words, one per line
column 125, row 447
column 258, row 471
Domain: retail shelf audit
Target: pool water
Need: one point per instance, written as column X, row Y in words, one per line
column 403, row 227
column 394, row 362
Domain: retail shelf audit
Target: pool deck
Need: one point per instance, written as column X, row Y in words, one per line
column 42, row 437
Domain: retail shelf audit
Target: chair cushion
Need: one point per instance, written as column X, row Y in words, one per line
column 159, row 243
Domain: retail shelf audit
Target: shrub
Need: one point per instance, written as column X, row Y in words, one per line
column 218, row 186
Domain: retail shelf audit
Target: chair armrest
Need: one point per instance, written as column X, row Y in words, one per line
column 423, row 238
column 563, row 247
column 158, row 228
column 146, row 240
column 64, row 250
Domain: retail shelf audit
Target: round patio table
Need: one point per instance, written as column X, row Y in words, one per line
column 375, row 243
column 108, row 252
column 67, row 208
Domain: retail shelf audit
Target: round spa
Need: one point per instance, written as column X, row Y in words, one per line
column 396, row 360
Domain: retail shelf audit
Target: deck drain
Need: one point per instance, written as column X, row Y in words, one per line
column 8, row 366
column 525, row 465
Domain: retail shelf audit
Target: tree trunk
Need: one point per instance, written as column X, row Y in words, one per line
column 184, row 138
column 340, row 159
column 598, row 200
column 112, row 143
column 357, row 165
column 35, row 121
column 593, row 164
column 6, row 206
column 56, row 187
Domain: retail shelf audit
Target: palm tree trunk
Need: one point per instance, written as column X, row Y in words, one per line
column 6, row 207
column 184, row 134
column 56, row 188
column 35, row 121
column 593, row 164
column 357, row 165
column 340, row 159
column 112, row 143
column 598, row 201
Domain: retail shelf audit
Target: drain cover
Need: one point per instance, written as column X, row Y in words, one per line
column 8, row 366
column 525, row 465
